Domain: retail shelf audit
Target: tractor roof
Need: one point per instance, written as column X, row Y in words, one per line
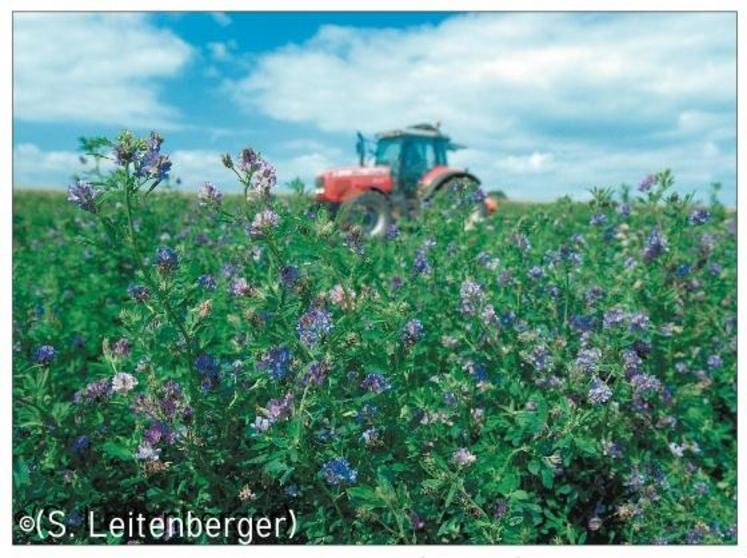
column 423, row 130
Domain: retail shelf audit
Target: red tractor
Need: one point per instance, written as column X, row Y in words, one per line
column 409, row 172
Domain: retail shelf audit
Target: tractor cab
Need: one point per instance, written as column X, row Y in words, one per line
column 410, row 154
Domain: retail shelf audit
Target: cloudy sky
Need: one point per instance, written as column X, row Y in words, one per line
column 547, row 104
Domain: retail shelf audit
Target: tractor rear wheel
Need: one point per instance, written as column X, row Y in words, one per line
column 458, row 198
column 369, row 211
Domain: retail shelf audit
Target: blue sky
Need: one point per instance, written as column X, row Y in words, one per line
column 547, row 104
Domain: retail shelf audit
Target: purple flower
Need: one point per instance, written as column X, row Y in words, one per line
column 289, row 274
column 208, row 369
column 207, row 282
column 588, row 359
column 146, row 452
column 139, row 293
column 371, row 436
column 696, row 534
column 167, row 260
column 645, row 382
column 581, row 323
column 598, row 219
column 123, row 383
column 477, row 371
column 614, row 317
column 699, row 216
column 342, row 296
column 249, row 160
column 276, row 362
column 240, row 287
column 416, row 521
column 714, row 362
column 126, row 150
column 612, row 449
column 354, row 240
column 539, row 358
column 471, row 295
column 94, row 392
column 338, row 472
column 599, row 392
column 159, row 432
column 149, row 163
column 536, row 272
column 367, row 413
column 715, row 268
column 375, row 383
column 280, row 409
column 646, row 183
column 392, row 231
column 209, row 195
column 656, row 244
column 264, row 222
column 316, row 373
column 682, row 270
column 44, row 354
column 313, row 325
column 488, row 316
column 463, row 457
column 644, row 385
column 521, row 241
column 153, row 165
column 639, row 322
column 122, row 347
column 261, row 424
column 81, row 444
column 263, row 178
column 412, row 332
column 501, row 507
column 421, row 264
column 82, row 194
column 488, row 261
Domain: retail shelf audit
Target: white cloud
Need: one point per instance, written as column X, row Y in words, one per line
column 222, row 51
column 36, row 168
column 221, row 18
column 94, row 68
column 292, row 160
column 544, row 97
column 195, row 166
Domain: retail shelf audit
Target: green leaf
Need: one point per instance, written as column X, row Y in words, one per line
column 520, row 495
column 586, row 446
column 548, row 477
column 116, row 450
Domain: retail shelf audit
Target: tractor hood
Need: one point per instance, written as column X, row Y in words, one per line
column 338, row 184
column 380, row 170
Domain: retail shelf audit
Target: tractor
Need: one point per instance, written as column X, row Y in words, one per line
column 408, row 172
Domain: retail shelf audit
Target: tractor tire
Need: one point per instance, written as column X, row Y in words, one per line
column 370, row 211
column 458, row 198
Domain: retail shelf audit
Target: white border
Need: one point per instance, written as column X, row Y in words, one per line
column 337, row 5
